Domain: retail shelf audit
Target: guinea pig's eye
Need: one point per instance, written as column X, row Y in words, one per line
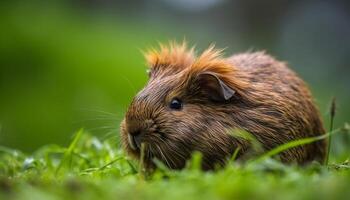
column 175, row 104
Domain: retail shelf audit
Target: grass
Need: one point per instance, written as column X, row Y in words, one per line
column 93, row 169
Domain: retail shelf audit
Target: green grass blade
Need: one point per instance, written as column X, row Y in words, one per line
column 332, row 112
column 235, row 154
column 292, row 144
column 69, row 152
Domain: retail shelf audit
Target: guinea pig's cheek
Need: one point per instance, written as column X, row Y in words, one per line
column 124, row 136
column 122, row 128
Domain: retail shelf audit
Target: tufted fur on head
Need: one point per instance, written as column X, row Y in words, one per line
column 170, row 59
column 209, row 67
column 249, row 91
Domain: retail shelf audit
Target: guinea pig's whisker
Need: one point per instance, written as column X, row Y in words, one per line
column 161, row 139
column 110, row 135
column 106, row 128
column 151, row 150
column 178, row 153
column 104, row 113
column 179, row 156
column 132, row 86
column 162, row 155
column 100, row 118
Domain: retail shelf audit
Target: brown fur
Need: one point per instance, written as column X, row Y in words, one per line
column 270, row 101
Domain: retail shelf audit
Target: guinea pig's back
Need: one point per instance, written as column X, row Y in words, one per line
column 281, row 90
column 261, row 67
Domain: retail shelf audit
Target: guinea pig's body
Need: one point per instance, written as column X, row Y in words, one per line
column 192, row 104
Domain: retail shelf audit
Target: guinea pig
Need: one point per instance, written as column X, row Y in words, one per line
column 191, row 103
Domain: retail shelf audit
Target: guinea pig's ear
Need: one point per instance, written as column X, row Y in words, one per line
column 213, row 87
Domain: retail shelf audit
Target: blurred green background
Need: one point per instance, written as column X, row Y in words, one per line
column 71, row 64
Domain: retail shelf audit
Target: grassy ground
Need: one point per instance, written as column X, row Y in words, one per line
column 93, row 169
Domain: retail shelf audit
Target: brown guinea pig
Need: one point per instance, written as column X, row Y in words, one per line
column 191, row 103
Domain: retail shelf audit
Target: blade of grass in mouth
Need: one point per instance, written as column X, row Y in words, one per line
column 142, row 160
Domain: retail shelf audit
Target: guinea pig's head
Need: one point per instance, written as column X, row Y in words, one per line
column 184, row 107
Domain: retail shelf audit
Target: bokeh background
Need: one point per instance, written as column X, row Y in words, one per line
column 71, row 64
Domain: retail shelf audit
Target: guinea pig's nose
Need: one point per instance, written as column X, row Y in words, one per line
column 135, row 139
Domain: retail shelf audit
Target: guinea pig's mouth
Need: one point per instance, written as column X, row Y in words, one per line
column 134, row 142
